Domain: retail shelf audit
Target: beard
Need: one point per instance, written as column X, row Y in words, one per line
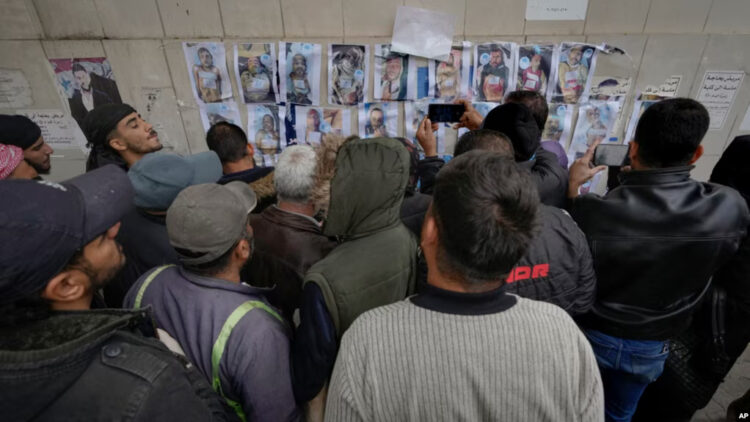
column 39, row 169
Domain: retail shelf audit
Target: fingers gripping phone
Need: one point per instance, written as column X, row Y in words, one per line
column 610, row 155
column 449, row 113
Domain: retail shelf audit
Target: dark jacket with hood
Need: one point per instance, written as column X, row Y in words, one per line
column 99, row 366
column 375, row 265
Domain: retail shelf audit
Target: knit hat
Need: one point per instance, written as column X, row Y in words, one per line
column 516, row 121
column 18, row 130
column 102, row 120
column 10, row 157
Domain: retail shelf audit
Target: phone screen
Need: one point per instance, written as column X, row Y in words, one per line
column 611, row 155
column 445, row 112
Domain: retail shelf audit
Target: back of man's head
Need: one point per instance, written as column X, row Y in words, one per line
column 516, row 122
column 485, row 140
column 535, row 102
column 294, row 176
column 228, row 141
column 670, row 131
column 485, row 209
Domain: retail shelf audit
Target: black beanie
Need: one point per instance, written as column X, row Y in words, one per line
column 102, row 120
column 18, row 130
column 515, row 121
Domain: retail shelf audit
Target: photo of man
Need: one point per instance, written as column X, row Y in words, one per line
column 557, row 128
column 255, row 69
column 208, row 72
column 348, row 66
column 213, row 113
column 312, row 123
column 264, row 131
column 395, row 75
column 493, row 78
column 595, row 122
column 375, row 127
column 576, row 65
column 378, row 119
column 534, row 66
column 86, row 83
column 300, row 73
column 449, row 80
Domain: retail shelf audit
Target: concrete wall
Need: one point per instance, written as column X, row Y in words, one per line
column 142, row 40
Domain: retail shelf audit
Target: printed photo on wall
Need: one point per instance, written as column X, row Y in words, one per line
column 395, row 75
column 86, row 83
column 638, row 108
column 378, row 120
column 207, row 66
column 559, row 122
column 577, row 63
column 255, row 71
column 348, row 67
column 312, row 123
column 449, row 80
column 596, row 120
column 213, row 113
column 299, row 72
column 534, row 67
column 265, row 130
column 494, row 76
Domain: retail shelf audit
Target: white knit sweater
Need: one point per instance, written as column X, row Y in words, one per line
column 404, row 362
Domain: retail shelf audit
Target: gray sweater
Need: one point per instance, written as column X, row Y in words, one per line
column 423, row 361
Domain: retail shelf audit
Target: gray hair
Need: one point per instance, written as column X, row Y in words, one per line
column 294, row 176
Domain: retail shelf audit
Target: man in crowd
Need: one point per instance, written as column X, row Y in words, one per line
column 464, row 349
column 118, row 135
column 224, row 325
column 523, row 127
column 157, row 179
column 557, row 267
column 237, row 160
column 656, row 241
column 20, row 131
column 58, row 359
column 288, row 240
column 365, row 201
column 12, row 164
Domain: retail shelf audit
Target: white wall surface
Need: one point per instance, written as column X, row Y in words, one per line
column 142, row 40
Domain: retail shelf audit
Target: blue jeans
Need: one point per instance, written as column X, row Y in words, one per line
column 627, row 368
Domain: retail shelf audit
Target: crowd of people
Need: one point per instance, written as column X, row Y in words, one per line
column 358, row 280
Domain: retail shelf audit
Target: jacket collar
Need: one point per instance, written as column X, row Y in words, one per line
column 216, row 283
column 450, row 302
column 297, row 221
column 656, row 176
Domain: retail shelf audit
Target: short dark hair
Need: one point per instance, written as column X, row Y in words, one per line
column 486, row 140
column 228, row 141
column 77, row 67
column 535, row 102
column 485, row 208
column 669, row 132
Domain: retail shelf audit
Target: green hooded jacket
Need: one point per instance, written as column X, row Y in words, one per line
column 377, row 262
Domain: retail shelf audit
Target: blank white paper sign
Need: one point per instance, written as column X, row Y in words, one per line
column 422, row 32
column 556, row 10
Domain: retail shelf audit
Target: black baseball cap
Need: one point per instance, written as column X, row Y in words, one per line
column 43, row 224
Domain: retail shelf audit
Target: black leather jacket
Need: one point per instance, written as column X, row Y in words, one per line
column 656, row 242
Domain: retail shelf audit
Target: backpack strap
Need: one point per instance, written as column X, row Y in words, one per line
column 221, row 343
column 146, row 283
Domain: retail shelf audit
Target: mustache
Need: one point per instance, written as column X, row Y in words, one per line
column 153, row 133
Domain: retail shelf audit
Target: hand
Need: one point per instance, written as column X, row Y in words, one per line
column 471, row 119
column 581, row 171
column 426, row 137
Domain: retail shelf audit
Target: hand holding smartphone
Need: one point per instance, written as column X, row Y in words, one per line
column 610, row 155
column 448, row 113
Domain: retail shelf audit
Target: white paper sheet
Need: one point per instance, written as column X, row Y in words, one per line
column 378, row 120
column 348, row 68
column 609, row 88
column 595, row 122
column 494, row 70
column 59, row 130
column 717, row 92
column 213, row 113
column 574, row 68
column 265, row 131
column 422, row 32
column 299, row 72
column 255, row 72
column 395, row 75
column 449, row 80
column 556, row 10
column 15, row 91
column 312, row 123
column 668, row 89
column 207, row 66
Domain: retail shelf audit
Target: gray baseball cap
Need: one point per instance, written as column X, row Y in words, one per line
column 209, row 219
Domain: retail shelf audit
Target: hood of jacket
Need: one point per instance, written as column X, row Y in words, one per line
column 367, row 188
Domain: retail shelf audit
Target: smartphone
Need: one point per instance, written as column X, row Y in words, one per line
column 610, row 155
column 449, row 113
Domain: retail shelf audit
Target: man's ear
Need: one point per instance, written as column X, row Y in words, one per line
column 66, row 287
column 250, row 149
column 429, row 236
column 243, row 250
column 117, row 144
column 697, row 154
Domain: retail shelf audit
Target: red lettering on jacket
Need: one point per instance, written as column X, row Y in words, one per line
column 524, row 273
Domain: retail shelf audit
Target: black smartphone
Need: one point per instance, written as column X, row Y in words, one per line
column 610, row 155
column 449, row 113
